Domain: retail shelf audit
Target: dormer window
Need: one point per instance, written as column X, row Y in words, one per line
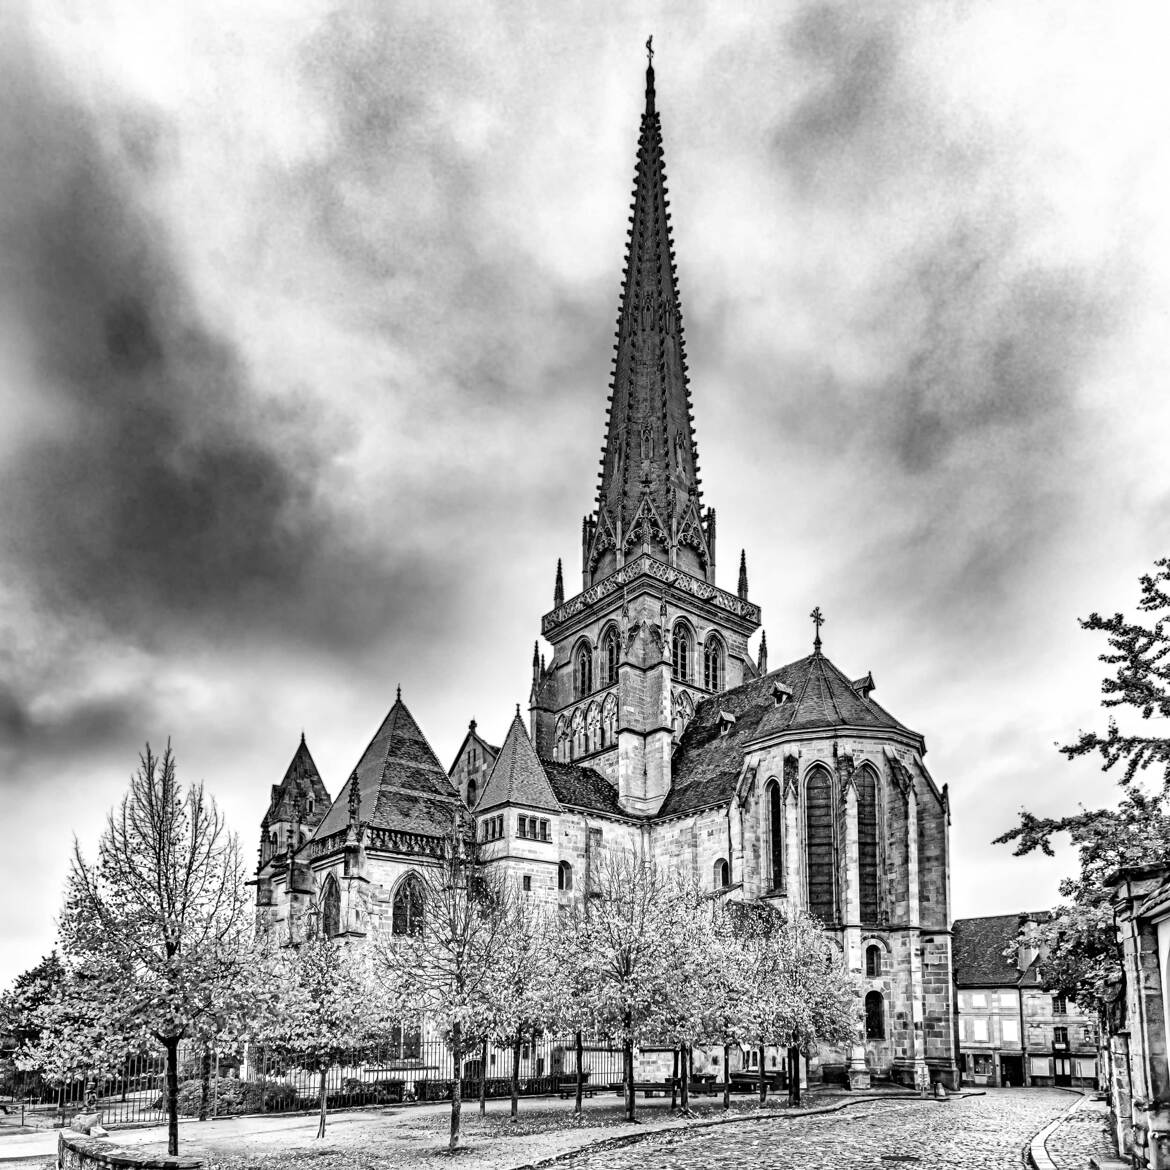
column 726, row 722
column 781, row 694
column 864, row 686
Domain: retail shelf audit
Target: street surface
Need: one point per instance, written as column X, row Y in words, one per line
column 975, row 1133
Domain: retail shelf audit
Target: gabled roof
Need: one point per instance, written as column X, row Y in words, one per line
column 517, row 776
column 473, row 736
column 577, row 786
column 977, row 951
column 402, row 785
column 302, row 779
column 710, row 755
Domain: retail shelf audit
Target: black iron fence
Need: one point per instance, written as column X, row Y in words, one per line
column 220, row 1084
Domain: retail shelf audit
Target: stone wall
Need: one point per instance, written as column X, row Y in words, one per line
column 77, row 1152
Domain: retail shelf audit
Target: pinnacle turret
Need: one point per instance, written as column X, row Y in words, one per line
column 559, row 586
column 648, row 497
column 763, row 665
column 743, row 584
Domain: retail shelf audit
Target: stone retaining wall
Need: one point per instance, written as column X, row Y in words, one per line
column 78, row 1152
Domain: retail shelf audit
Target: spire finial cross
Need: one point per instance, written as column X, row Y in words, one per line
column 650, row 50
column 818, row 620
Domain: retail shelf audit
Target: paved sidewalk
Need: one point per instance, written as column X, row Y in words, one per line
column 1072, row 1139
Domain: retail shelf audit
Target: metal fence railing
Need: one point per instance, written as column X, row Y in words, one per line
column 407, row 1069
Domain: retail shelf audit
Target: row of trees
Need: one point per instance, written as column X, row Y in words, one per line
column 156, row 946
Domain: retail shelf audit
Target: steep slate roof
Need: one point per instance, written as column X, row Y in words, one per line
column 517, row 776
column 977, row 946
column 707, row 762
column 402, row 784
column 580, row 787
column 302, row 779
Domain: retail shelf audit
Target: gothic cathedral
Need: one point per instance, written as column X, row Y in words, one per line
column 653, row 728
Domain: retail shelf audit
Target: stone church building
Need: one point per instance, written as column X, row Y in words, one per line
column 653, row 727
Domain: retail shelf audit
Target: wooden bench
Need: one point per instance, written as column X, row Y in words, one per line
column 567, row 1086
column 646, row 1088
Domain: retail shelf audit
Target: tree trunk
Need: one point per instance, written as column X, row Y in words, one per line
column 457, row 1086
column 483, row 1057
column 515, row 1075
column 171, row 1047
column 685, row 1062
column 628, row 1076
column 763, row 1081
column 726, row 1076
column 580, row 1071
column 674, row 1083
column 793, row 1076
column 204, row 1082
column 323, row 1097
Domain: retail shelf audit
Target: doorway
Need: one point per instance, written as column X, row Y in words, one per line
column 1011, row 1071
column 1063, row 1073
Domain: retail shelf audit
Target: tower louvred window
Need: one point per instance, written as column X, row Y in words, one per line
column 681, row 653
column 713, row 665
column 584, row 671
column 609, row 658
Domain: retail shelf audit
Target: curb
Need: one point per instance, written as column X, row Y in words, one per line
column 1037, row 1149
column 629, row 1139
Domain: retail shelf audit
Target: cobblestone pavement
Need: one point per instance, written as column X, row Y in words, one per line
column 974, row 1133
column 1084, row 1132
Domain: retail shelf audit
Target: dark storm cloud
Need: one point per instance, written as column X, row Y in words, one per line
column 165, row 493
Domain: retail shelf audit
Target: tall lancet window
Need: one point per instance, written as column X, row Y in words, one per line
column 818, row 845
column 713, row 666
column 584, row 670
column 775, row 836
column 609, row 657
column 407, row 911
column 867, row 841
column 331, row 907
column 680, row 660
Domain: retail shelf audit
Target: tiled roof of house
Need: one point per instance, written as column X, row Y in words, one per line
column 401, row 782
column 577, row 786
column 977, row 952
column 517, row 776
column 710, row 755
column 302, row 779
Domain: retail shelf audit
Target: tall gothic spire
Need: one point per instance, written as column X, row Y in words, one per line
column 648, row 497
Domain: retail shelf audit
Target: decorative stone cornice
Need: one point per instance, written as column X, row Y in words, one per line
column 652, row 569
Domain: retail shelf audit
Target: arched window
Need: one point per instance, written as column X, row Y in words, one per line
column 818, row 842
column 867, row 841
column 331, row 907
column 609, row 721
column 775, row 836
column 722, row 874
column 578, row 732
column 407, row 916
column 609, row 657
column 564, row 876
column 583, row 670
column 680, row 660
column 873, row 961
column 713, row 668
column 471, row 791
column 875, row 1016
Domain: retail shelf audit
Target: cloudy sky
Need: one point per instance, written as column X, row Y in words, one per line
column 305, row 322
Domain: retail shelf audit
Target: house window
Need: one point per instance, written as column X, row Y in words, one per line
column 1059, row 1005
column 1059, row 1037
column 873, row 961
column 527, row 883
column 680, row 661
column 407, row 913
column 713, row 665
column 564, row 876
column 544, row 830
column 331, row 907
column 979, row 1029
column 405, row 1043
column 583, row 671
column 609, row 658
column 875, row 1016
column 523, row 827
column 722, row 874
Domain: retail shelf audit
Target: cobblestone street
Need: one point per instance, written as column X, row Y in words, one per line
column 976, row 1133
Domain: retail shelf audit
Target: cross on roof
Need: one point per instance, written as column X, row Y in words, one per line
column 818, row 620
column 650, row 49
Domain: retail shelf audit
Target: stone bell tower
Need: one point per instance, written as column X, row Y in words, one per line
column 650, row 635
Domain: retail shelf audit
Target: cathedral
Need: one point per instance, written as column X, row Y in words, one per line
column 653, row 727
